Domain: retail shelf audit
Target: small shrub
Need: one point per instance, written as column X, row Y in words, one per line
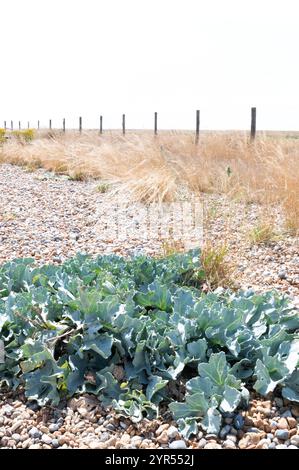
column 26, row 135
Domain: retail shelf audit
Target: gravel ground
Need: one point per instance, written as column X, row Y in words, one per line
column 82, row 423
column 51, row 218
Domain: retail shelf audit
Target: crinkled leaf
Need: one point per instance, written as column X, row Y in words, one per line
column 195, row 406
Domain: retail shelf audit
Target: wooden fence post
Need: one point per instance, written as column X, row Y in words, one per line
column 38, row 125
column 19, row 125
column 11, row 125
column 50, row 124
column 253, row 124
column 63, row 124
column 101, row 124
column 156, row 123
column 28, row 125
column 80, row 124
column 5, row 125
column 197, row 124
column 124, row 124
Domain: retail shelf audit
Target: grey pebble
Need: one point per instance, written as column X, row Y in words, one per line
column 253, row 429
column 34, row 433
column 104, row 437
column 33, row 406
column 110, row 427
column 55, row 443
column 211, row 436
column 54, row 427
column 230, row 444
column 273, row 424
column 292, row 447
column 228, row 420
column 282, row 434
column 231, row 437
column 224, row 431
column 172, row 432
column 279, row 402
column 287, row 414
column 7, row 410
column 202, row 443
column 282, row 274
column 281, row 446
column 177, row 445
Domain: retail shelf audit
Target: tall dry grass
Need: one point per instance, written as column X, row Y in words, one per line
column 160, row 168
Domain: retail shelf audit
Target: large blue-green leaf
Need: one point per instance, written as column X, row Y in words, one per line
column 195, row 406
column 291, row 389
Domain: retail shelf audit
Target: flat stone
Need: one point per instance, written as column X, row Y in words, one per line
column 231, row 437
column 161, row 428
column 228, row 444
column 249, row 439
column 16, row 425
column 282, row 423
column 26, row 443
column 46, row 439
column 292, row 422
column 96, row 445
column 212, row 445
column 162, row 438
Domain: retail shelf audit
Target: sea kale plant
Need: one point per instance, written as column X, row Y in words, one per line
column 141, row 335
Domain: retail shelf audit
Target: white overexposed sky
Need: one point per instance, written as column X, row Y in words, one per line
column 70, row 58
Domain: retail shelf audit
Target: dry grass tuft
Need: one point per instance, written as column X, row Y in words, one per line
column 157, row 168
column 216, row 269
column 262, row 233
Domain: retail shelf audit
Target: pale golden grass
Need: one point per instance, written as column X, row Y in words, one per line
column 157, row 168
